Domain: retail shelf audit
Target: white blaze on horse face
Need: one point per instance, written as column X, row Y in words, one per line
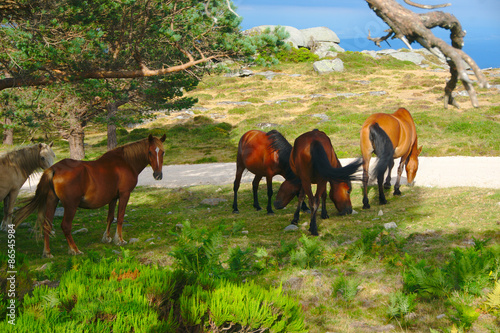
column 157, row 150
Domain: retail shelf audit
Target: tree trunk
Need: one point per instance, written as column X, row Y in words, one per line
column 111, row 121
column 8, row 132
column 76, row 137
column 409, row 27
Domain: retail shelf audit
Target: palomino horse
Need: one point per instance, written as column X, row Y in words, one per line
column 389, row 136
column 314, row 161
column 91, row 185
column 15, row 167
column 265, row 155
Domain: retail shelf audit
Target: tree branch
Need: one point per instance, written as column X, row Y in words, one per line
column 72, row 77
column 404, row 23
column 411, row 3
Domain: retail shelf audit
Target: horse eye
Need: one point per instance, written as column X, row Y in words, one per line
column 43, row 158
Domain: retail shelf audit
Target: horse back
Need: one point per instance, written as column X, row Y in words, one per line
column 256, row 154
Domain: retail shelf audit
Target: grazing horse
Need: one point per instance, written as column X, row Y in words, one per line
column 264, row 155
column 15, row 168
column 93, row 184
column 313, row 160
column 389, row 136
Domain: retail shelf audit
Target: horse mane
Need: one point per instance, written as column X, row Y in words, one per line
column 284, row 149
column 25, row 159
column 137, row 151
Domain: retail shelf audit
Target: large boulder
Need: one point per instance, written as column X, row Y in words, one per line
column 296, row 38
column 319, row 35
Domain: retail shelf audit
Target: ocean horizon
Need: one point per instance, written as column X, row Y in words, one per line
column 486, row 53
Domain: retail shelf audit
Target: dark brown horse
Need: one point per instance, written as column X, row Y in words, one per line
column 264, row 155
column 93, row 184
column 389, row 136
column 314, row 161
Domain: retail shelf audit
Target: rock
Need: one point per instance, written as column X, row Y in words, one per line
column 321, row 116
column 327, row 66
column 80, row 231
column 390, row 225
column 59, row 212
column 150, row 239
column 414, row 57
column 133, row 240
column 212, row 201
column 319, row 34
column 291, row 227
column 380, row 213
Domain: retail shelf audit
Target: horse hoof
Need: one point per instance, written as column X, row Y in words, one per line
column 397, row 192
column 47, row 255
column 106, row 238
column 236, row 211
column 270, row 213
column 366, row 206
column 74, row 253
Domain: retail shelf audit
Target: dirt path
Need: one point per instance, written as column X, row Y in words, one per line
column 433, row 172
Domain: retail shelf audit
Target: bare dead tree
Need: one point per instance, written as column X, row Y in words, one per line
column 410, row 27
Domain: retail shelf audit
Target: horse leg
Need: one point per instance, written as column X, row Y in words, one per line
column 69, row 215
column 106, row 238
column 366, row 177
column 314, row 204
column 269, row 181
column 255, row 188
column 7, row 210
column 122, row 205
column 398, row 179
column 236, row 187
column 46, row 216
column 296, row 215
column 387, row 184
column 381, row 194
column 324, row 212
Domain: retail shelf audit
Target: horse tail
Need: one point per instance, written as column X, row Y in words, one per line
column 382, row 145
column 321, row 165
column 38, row 201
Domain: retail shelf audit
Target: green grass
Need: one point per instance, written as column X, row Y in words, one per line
column 431, row 223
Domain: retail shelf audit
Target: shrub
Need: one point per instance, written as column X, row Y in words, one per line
column 309, row 254
column 346, row 288
column 297, row 55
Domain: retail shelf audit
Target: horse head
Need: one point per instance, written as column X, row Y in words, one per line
column 412, row 165
column 155, row 155
column 340, row 194
column 46, row 155
column 288, row 190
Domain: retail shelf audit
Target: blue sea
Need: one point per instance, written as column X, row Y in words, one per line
column 486, row 53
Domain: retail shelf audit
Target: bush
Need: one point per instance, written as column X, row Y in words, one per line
column 297, row 55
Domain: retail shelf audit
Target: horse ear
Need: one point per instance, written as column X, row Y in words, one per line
column 162, row 139
column 150, row 137
column 420, row 149
column 51, row 144
column 40, row 145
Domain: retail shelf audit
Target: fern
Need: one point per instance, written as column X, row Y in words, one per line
column 493, row 299
column 346, row 289
column 400, row 304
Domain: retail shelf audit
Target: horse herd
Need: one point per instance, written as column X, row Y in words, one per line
column 311, row 160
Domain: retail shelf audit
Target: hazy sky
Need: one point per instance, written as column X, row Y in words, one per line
column 353, row 18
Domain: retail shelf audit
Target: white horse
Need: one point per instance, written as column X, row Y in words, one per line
column 15, row 167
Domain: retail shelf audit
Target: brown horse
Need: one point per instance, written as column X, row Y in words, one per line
column 314, row 161
column 264, row 155
column 91, row 185
column 15, row 168
column 389, row 136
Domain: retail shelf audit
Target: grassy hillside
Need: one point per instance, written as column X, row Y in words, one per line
column 435, row 272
